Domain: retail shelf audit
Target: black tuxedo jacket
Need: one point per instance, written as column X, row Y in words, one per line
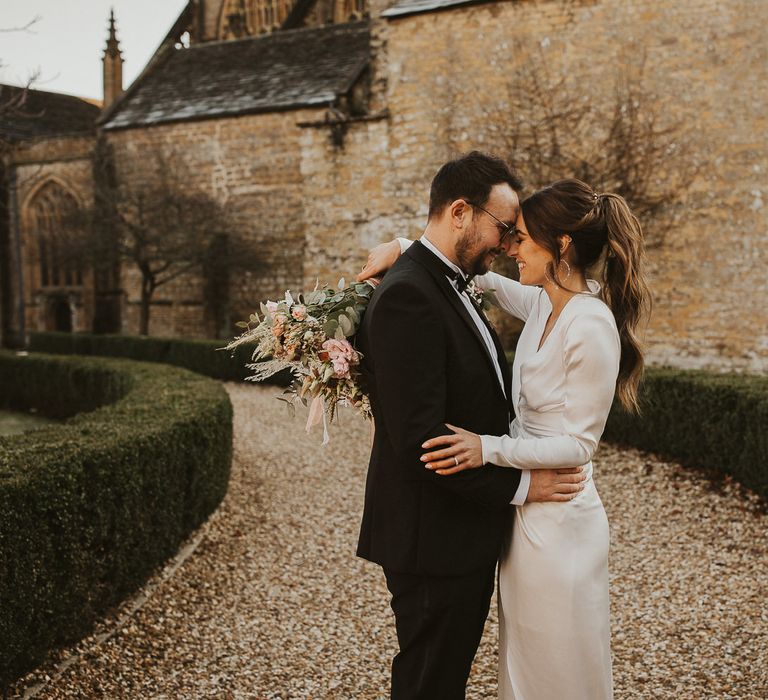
column 425, row 364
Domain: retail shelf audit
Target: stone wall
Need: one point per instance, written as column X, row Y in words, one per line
column 251, row 166
column 211, row 19
column 313, row 207
column 706, row 62
column 65, row 161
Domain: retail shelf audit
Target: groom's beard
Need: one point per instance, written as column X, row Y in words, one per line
column 471, row 255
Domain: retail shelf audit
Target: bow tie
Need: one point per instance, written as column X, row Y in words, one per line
column 462, row 282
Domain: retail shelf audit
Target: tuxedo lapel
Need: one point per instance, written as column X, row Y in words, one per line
column 438, row 271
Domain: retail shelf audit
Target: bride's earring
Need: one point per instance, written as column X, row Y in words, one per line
column 565, row 262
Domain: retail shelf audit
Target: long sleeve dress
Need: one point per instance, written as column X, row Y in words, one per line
column 553, row 575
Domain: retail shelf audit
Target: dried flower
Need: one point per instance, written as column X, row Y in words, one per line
column 313, row 336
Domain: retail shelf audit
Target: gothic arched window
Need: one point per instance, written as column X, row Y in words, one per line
column 52, row 215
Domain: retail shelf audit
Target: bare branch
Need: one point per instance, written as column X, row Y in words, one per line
column 25, row 28
column 166, row 231
column 624, row 143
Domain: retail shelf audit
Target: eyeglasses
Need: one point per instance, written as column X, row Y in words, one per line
column 505, row 230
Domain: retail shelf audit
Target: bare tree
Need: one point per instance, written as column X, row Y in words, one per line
column 13, row 101
column 550, row 125
column 552, row 122
column 13, row 108
column 165, row 229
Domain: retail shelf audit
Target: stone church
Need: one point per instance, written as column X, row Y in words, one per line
column 319, row 124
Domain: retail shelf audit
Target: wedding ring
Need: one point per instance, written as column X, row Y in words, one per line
column 456, row 459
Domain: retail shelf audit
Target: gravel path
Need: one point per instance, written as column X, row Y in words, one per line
column 268, row 600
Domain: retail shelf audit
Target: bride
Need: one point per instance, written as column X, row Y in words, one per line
column 578, row 347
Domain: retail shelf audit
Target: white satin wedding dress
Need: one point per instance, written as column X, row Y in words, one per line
column 553, row 577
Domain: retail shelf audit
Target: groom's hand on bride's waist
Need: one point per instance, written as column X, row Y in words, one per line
column 556, row 484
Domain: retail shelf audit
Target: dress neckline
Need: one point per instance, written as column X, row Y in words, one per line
column 593, row 291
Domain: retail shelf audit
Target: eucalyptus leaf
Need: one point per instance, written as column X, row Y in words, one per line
column 346, row 325
column 339, row 334
column 342, row 283
column 329, row 328
column 352, row 314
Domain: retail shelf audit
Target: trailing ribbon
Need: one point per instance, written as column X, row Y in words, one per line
column 316, row 414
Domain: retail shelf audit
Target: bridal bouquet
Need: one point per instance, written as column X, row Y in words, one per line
column 311, row 336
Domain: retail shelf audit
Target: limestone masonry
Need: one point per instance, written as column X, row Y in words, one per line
column 319, row 126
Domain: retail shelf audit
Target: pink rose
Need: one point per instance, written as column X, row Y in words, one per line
column 299, row 312
column 342, row 355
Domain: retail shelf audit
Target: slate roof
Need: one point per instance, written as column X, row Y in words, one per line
column 402, row 8
column 41, row 113
column 283, row 70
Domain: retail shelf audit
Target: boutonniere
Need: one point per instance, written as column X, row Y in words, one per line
column 482, row 298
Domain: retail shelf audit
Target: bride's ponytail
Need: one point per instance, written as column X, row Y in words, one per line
column 625, row 291
column 599, row 225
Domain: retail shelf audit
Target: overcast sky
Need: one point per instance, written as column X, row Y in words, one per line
column 67, row 42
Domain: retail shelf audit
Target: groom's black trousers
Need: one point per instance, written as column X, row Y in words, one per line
column 439, row 621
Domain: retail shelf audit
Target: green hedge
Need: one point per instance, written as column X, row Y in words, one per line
column 699, row 418
column 200, row 356
column 713, row 421
column 90, row 507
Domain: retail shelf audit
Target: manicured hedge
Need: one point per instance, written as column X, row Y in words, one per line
column 699, row 418
column 713, row 421
column 90, row 507
column 200, row 356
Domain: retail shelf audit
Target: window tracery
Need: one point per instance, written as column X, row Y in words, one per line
column 235, row 20
column 242, row 18
column 52, row 213
column 350, row 10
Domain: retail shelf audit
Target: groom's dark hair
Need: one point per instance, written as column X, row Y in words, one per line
column 470, row 177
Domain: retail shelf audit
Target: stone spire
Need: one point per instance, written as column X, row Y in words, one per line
column 113, row 65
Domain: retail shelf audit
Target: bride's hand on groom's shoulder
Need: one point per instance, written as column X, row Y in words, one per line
column 380, row 259
column 455, row 453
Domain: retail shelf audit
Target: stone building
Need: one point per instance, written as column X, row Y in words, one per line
column 319, row 124
column 45, row 176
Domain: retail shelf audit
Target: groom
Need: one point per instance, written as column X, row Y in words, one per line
column 431, row 358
